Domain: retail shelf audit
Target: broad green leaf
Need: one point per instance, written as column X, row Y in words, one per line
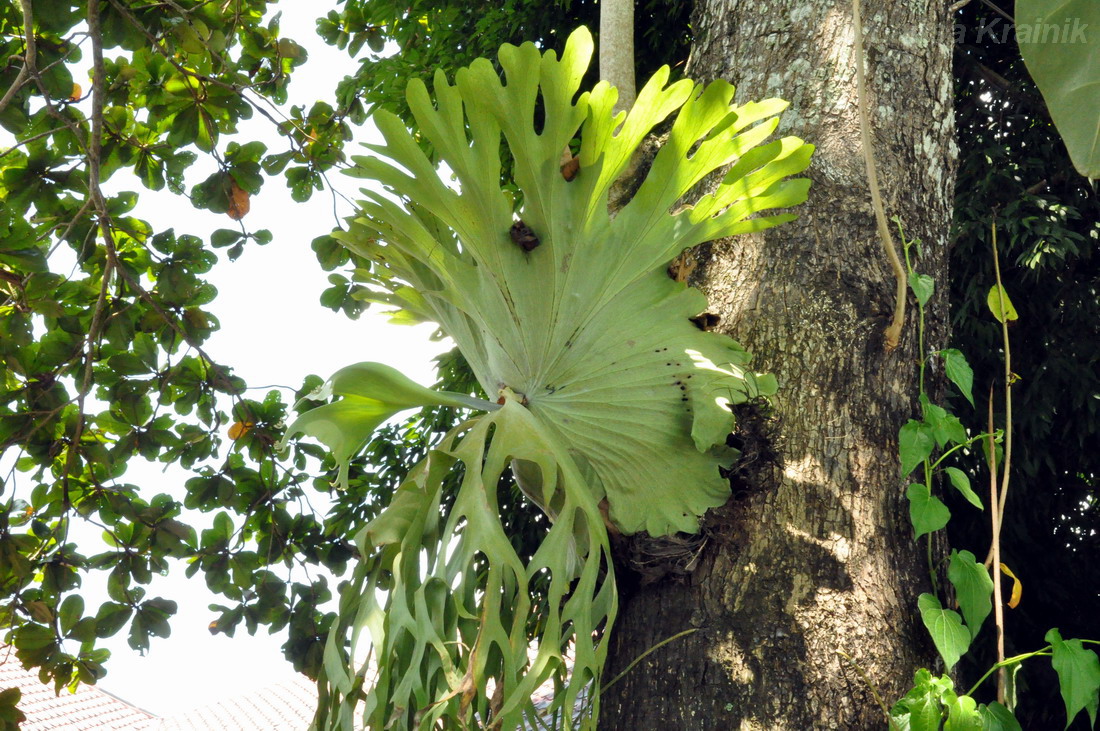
column 927, row 512
column 1000, row 305
column 1011, row 671
column 568, row 315
column 1063, row 58
column 961, row 482
column 959, row 372
column 225, row 237
column 963, row 715
column 948, row 633
column 642, row 399
column 973, row 588
column 946, row 428
column 923, row 286
column 922, row 708
column 70, row 612
column 996, row 717
column 925, row 713
column 1078, row 675
column 445, row 610
column 919, row 709
column 915, row 443
column 370, row 393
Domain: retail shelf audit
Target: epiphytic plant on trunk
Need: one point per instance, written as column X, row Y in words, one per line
column 612, row 406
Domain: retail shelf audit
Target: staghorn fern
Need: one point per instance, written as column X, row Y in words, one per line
column 607, row 392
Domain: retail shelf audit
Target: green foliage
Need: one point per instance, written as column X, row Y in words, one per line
column 177, row 81
column 945, row 627
column 959, row 372
column 1000, row 304
column 973, row 587
column 926, row 511
column 933, row 704
column 933, row 701
column 1062, row 59
column 10, row 715
column 1078, row 674
column 608, row 390
column 446, row 35
column 1014, row 167
column 103, row 322
column 485, row 291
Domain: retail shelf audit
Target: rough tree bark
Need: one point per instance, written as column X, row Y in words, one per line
column 814, row 555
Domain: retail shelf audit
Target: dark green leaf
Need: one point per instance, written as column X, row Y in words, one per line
column 923, row 286
column 961, row 482
column 996, row 717
column 1078, row 675
column 959, row 372
column 973, row 588
column 915, row 443
column 927, row 512
column 946, row 628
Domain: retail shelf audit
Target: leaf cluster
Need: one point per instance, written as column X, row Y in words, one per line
column 103, row 322
column 1014, row 169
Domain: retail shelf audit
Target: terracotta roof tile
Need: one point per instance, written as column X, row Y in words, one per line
column 288, row 705
column 87, row 708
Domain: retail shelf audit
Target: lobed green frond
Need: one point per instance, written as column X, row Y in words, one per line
column 566, row 312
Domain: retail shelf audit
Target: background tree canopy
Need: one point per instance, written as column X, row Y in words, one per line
column 103, row 319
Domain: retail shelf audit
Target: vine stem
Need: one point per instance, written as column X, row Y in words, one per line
column 995, row 557
column 893, row 331
column 1009, row 378
column 997, row 498
column 1000, row 666
column 646, row 654
column 874, row 690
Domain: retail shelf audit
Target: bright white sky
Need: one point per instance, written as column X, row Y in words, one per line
column 273, row 331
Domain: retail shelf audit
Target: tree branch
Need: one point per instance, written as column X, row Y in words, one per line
column 95, row 196
column 28, row 55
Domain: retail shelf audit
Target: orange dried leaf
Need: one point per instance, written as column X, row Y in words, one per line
column 1017, row 587
column 77, row 93
column 239, row 429
column 238, row 202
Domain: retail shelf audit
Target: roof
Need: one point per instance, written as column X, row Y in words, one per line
column 288, row 705
column 88, row 708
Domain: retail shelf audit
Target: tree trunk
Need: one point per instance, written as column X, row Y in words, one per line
column 814, row 556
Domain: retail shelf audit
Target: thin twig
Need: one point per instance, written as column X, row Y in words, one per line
column 28, row 140
column 957, row 7
column 646, row 654
column 998, row 11
column 95, row 138
column 235, row 88
column 874, row 690
column 893, row 332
